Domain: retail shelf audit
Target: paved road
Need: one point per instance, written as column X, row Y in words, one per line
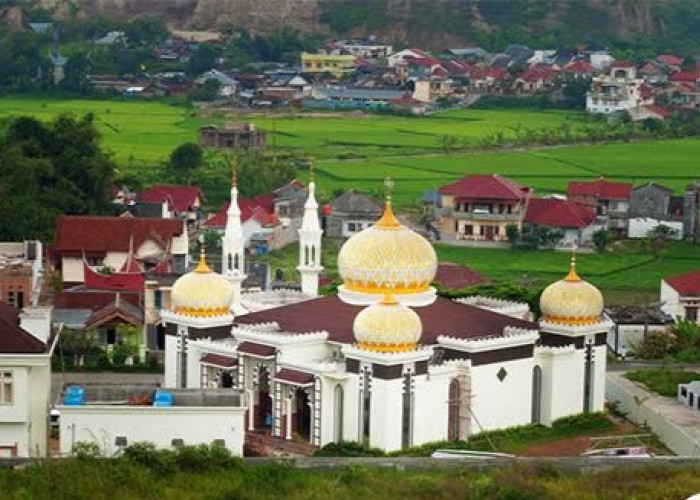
column 59, row 380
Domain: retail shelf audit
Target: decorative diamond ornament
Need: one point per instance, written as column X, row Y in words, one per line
column 502, row 373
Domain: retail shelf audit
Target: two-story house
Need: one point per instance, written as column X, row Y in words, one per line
column 26, row 346
column 609, row 201
column 183, row 202
column 619, row 90
column 651, row 205
column 478, row 208
column 350, row 213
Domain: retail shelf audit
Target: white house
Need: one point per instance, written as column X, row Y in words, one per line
column 26, row 346
column 680, row 295
column 619, row 90
column 402, row 55
column 114, row 417
column 227, row 85
column 385, row 360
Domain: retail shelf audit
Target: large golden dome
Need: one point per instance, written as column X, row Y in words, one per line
column 571, row 301
column 387, row 327
column 387, row 258
column 202, row 293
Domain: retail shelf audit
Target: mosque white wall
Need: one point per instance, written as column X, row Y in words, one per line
column 431, row 408
column 170, row 361
column 386, row 414
column 499, row 404
column 600, row 354
column 158, row 425
column 562, row 382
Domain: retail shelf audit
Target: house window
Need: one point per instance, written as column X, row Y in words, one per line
column 691, row 313
column 482, row 230
column 469, row 229
column 352, row 227
column 158, row 299
column 6, row 388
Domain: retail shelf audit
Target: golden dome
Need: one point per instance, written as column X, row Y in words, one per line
column 387, row 258
column 387, row 327
column 571, row 301
column 202, row 293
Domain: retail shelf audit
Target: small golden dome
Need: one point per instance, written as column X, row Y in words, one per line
column 387, row 327
column 571, row 301
column 387, row 258
column 202, row 293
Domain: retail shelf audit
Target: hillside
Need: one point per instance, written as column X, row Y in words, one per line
column 432, row 23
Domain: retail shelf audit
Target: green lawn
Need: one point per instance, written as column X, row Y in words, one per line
column 663, row 381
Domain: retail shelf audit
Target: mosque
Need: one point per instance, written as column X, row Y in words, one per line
column 385, row 361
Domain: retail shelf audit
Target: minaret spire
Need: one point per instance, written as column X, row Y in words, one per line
column 310, row 240
column 233, row 244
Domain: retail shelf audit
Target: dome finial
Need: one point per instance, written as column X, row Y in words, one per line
column 572, row 276
column 234, row 171
column 202, row 267
column 312, row 173
column 388, row 220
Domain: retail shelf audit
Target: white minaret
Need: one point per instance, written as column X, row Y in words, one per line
column 310, row 242
column 233, row 247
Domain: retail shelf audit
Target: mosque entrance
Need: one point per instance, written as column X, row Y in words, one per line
column 264, row 414
column 303, row 414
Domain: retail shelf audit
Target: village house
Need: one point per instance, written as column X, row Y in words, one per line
column 691, row 212
column 534, row 79
column 117, row 243
column 21, row 273
column 478, row 208
column 371, row 48
column 619, row 90
column 334, row 64
column 228, row 86
column 652, row 204
column 608, row 200
column 350, row 213
column 574, row 221
column 336, row 97
column 680, row 296
column 182, row 202
column 27, row 342
column 653, row 73
column 233, row 135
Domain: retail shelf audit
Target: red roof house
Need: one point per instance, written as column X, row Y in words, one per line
column 553, row 212
column 261, row 208
column 600, row 188
column 687, row 284
column 685, row 77
column 670, row 60
column 184, row 198
column 486, row 187
column 580, row 67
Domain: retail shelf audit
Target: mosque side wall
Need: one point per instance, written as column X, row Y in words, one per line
column 600, row 354
column 562, row 385
column 170, row 377
column 386, row 413
column 431, row 408
column 499, row 404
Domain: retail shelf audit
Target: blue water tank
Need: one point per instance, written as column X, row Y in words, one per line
column 163, row 398
column 74, row 396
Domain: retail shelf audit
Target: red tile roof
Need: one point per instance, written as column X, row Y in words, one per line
column 623, row 64
column 600, row 188
column 687, row 284
column 118, row 281
column 683, row 76
column 250, row 207
column 13, row 339
column 454, row 276
column 658, row 111
column 486, row 187
column 670, row 59
column 330, row 314
column 537, row 73
column 182, row 197
column 77, row 233
column 579, row 67
column 558, row 213
column 121, row 310
column 294, row 377
column 218, row 360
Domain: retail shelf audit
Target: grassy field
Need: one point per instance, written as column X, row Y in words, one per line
column 140, row 134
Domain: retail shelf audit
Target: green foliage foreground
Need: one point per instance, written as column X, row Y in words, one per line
column 210, row 473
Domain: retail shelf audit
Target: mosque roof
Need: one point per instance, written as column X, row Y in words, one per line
column 330, row 314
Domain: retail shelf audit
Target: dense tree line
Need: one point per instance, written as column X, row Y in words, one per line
column 47, row 169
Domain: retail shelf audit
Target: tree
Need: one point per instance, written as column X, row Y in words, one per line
column 512, row 233
column 185, row 160
column 76, row 72
column 209, row 91
column 146, row 31
column 660, row 237
column 203, row 59
column 601, row 239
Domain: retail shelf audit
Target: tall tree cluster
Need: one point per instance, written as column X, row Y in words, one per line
column 47, row 169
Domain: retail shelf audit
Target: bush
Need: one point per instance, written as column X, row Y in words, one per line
column 656, row 345
column 86, row 450
column 348, row 449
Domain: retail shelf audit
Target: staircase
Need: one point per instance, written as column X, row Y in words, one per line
column 261, row 443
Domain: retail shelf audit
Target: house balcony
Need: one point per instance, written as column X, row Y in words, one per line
column 487, row 217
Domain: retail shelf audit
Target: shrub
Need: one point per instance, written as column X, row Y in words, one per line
column 656, row 345
column 348, row 449
column 86, row 450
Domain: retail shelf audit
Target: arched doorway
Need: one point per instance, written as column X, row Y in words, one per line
column 338, row 414
column 536, row 395
column 303, row 414
column 226, row 380
column 453, row 411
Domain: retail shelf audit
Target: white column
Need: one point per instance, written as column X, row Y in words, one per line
column 288, row 430
column 251, row 409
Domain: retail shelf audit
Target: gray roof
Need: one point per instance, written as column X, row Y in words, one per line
column 111, row 38
column 352, row 202
column 470, row 51
column 214, row 74
column 363, row 94
column 71, row 318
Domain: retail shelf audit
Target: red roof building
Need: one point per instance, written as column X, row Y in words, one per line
column 670, row 60
column 685, row 77
column 185, row 199
column 609, row 200
column 580, row 67
column 680, row 295
column 480, row 207
column 686, row 283
column 260, row 208
column 13, row 338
